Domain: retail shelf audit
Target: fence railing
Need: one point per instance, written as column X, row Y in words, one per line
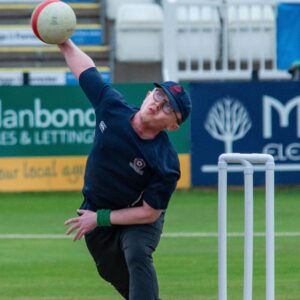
column 220, row 39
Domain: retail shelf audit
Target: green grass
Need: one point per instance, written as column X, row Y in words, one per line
column 59, row 269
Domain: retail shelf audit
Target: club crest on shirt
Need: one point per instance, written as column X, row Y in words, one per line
column 138, row 165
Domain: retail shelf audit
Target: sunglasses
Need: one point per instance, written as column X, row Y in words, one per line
column 167, row 108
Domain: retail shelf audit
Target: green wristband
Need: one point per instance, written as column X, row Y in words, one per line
column 103, row 217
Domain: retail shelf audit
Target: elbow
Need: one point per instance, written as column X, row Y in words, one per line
column 152, row 216
column 77, row 70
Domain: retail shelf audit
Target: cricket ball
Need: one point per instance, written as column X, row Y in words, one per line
column 53, row 21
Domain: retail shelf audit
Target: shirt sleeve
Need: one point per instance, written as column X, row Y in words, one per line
column 159, row 192
column 164, row 180
column 95, row 89
column 92, row 84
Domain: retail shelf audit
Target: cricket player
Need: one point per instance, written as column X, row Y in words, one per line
column 131, row 173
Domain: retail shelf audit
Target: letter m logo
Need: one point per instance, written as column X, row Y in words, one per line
column 283, row 112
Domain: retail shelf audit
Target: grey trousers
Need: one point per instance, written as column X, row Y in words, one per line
column 123, row 256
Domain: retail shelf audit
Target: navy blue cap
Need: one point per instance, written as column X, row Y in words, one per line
column 178, row 97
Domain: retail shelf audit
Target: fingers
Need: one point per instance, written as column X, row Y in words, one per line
column 79, row 234
column 76, row 225
column 74, row 220
column 71, row 221
column 81, row 211
column 80, row 223
column 72, row 228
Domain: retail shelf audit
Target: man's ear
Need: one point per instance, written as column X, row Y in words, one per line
column 172, row 127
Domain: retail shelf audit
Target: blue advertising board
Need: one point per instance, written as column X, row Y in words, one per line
column 288, row 34
column 88, row 36
column 245, row 117
column 71, row 80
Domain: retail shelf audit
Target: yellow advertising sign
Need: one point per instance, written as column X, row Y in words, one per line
column 42, row 173
column 185, row 179
column 56, row 173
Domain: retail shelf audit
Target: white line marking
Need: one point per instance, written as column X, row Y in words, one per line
column 229, row 234
column 165, row 235
column 33, row 236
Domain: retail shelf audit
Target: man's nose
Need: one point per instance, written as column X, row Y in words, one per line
column 158, row 105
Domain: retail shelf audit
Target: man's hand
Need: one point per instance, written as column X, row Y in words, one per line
column 86, row 222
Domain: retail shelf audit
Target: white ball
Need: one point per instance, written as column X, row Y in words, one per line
column 53, row 21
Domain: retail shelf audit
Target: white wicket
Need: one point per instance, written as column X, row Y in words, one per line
column 247, row 161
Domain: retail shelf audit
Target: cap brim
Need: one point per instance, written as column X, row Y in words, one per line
column 170, row 96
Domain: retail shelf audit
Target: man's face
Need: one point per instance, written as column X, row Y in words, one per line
column 157, row 109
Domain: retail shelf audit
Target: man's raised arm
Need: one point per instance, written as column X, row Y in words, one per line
column 76, row 59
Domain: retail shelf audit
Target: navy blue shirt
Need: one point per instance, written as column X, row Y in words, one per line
column 122, row 169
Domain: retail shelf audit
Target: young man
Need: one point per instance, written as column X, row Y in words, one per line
column 130, row 175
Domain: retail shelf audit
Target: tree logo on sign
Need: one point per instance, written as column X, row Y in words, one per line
column 228, row 121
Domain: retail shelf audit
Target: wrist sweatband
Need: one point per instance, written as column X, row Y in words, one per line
column 103, row 217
